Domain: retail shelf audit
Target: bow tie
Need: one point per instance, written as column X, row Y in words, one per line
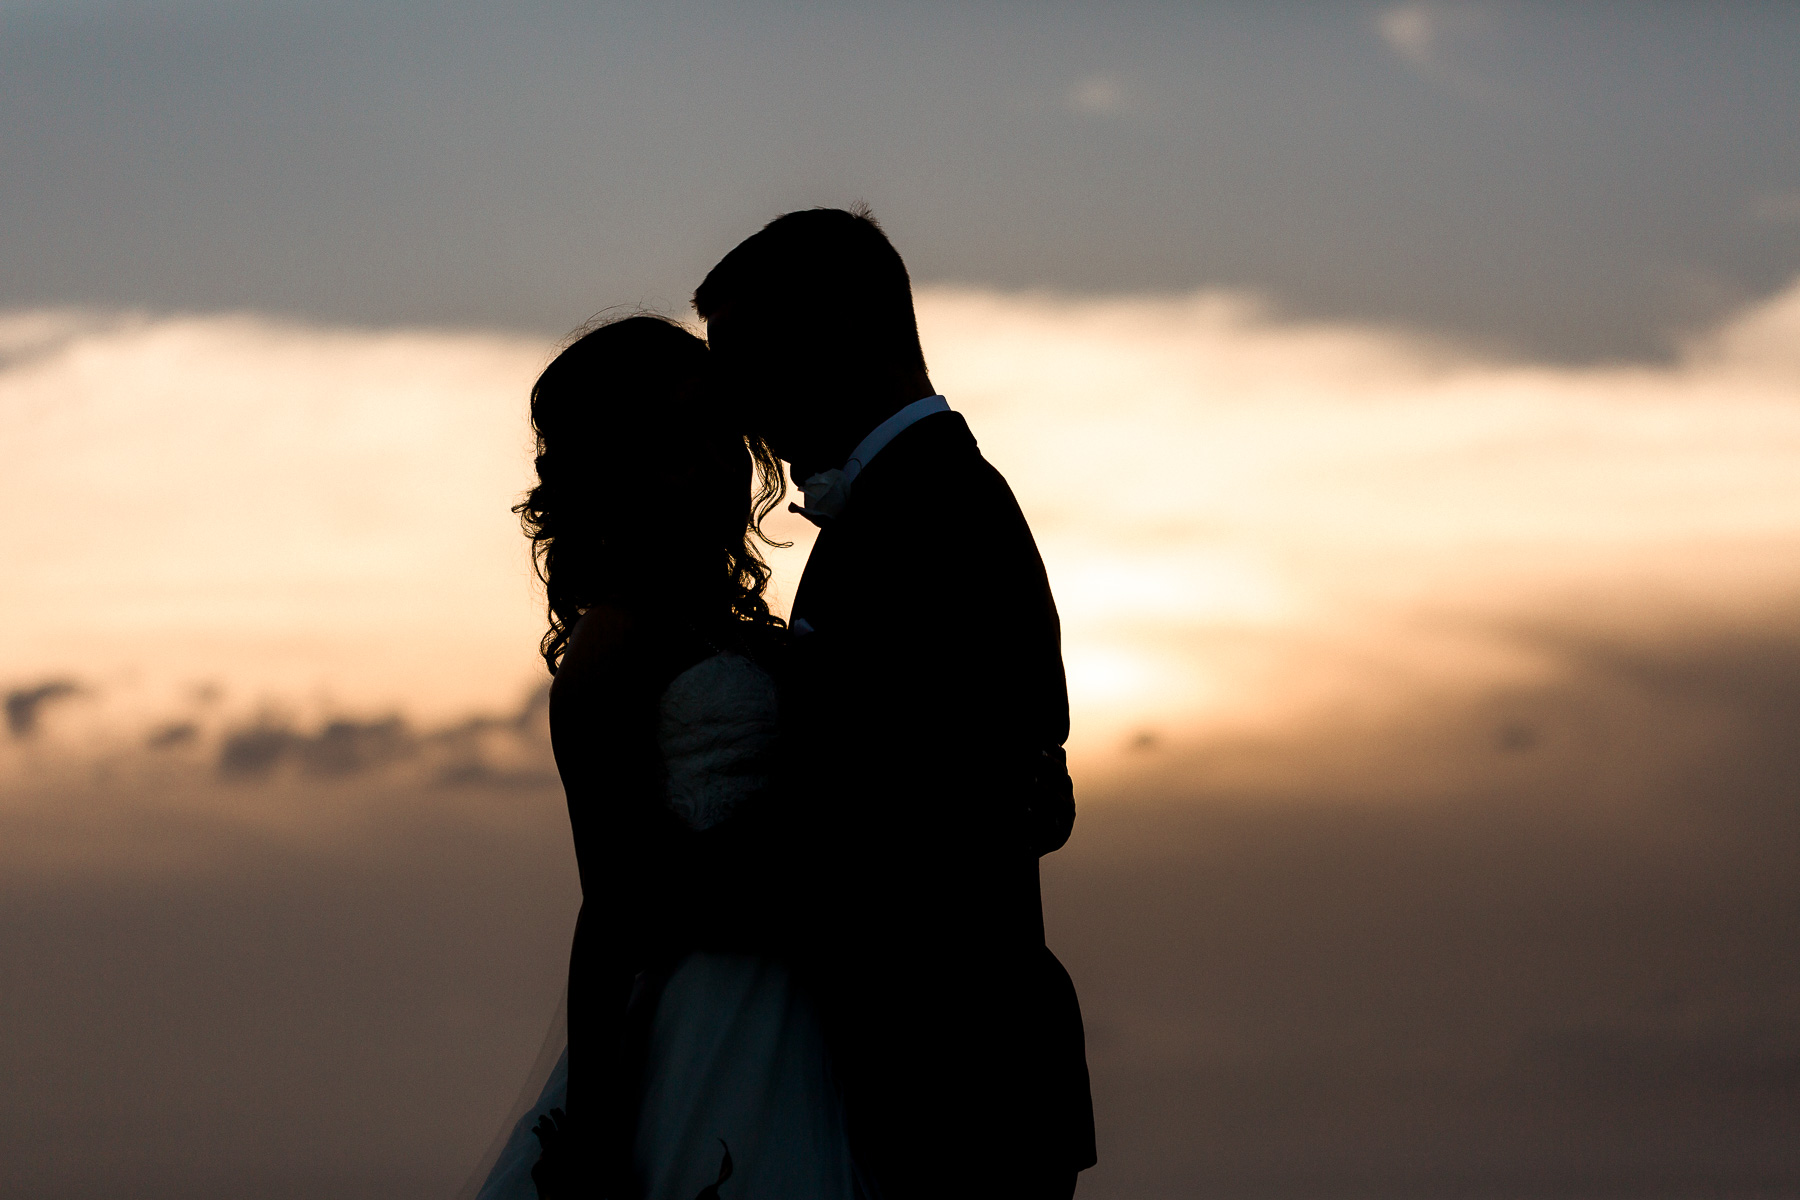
column 826, row 494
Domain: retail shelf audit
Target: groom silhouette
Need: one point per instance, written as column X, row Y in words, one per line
column 924, row 714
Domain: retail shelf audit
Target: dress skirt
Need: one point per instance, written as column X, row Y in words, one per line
column 736, row 1065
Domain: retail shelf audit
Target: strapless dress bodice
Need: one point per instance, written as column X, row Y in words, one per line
column 716, row 732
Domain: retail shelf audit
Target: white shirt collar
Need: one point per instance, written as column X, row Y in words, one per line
column 890, row 429
column 829, row 491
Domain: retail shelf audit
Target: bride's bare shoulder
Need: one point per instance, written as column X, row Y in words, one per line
column 598, row 651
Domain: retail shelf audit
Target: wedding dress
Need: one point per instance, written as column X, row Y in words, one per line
column 735, row 1062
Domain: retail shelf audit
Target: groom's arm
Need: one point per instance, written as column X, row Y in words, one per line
column 933, row 674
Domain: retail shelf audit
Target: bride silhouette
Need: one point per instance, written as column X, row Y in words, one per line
column 684, row 1027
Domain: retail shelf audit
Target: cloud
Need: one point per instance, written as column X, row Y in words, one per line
column 1776, row 208
column 285, row 509
column 1411, row 30
column 1427, row 36
column 511, row 750
column 23, row 705
column 342, row 747
column 1245, row 517
column 1097, row 94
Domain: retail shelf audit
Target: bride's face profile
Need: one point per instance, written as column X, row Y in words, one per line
column 644, row 493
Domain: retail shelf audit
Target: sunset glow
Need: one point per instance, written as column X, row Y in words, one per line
column 1244, row 517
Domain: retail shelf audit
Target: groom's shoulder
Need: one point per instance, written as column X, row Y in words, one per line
column 944, row 432
column 938, row 461
column 940, row 445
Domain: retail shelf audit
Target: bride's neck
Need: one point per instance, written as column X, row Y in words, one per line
column 688, row 598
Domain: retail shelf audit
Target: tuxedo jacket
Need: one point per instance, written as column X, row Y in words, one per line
column 925, row 709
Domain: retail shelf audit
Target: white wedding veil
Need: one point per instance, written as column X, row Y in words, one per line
column 504, row 1172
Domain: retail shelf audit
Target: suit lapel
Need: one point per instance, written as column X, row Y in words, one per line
column 815, row 598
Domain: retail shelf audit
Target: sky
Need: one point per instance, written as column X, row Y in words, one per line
column 1405, row 399
column 1579, row 181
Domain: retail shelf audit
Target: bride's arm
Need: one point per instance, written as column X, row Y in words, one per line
column 603, row 731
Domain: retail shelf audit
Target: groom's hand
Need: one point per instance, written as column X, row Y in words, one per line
column 552, row 1174
column 1050, row 808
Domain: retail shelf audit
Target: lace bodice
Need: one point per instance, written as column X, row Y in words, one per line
column 716, row 734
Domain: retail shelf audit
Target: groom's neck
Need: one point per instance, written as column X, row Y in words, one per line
column 868, row 408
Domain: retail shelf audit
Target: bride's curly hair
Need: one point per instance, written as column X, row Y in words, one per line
column 606, row 399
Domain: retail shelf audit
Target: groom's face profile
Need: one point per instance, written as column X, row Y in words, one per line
column 811, row 325
column 766, row 383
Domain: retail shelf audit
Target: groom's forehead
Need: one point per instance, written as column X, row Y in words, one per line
column 735, row 327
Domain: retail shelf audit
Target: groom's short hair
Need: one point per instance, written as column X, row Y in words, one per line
column 824, row 273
